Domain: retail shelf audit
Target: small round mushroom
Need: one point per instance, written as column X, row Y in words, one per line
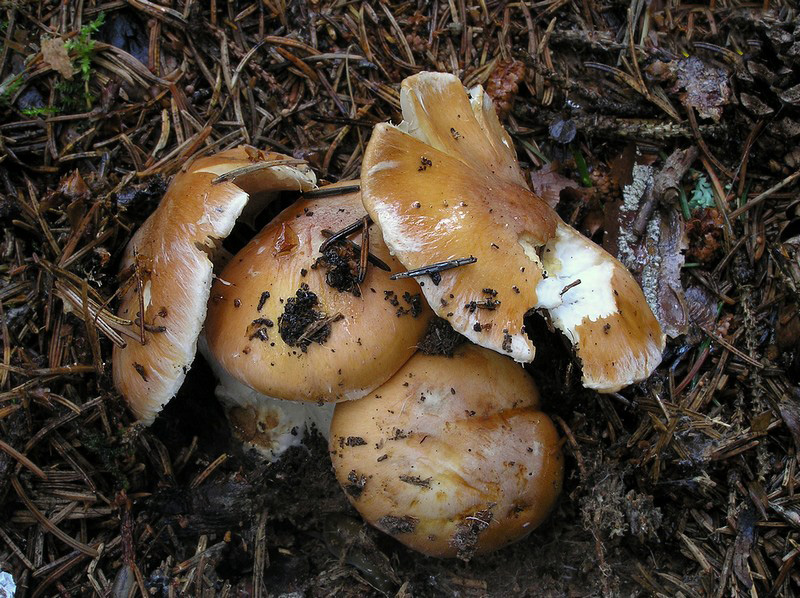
column 451, row 456
column 445, row 184
column 168, row 261
column 295, row 324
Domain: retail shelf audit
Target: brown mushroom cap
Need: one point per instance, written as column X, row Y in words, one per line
column 450, row 188
column 274, row 293
column 431, row 207
column 451, row 456
column 172, row 250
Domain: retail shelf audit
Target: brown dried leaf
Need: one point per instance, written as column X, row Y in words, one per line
column 704, row 233
column 72, row 186
column 548, row 184
column 705, row 86
column 760, row 423
column 54, row 52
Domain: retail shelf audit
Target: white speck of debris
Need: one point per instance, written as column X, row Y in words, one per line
column 7, row 586
column 631, row 198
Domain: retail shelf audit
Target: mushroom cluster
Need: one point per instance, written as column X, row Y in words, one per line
column 450, row 455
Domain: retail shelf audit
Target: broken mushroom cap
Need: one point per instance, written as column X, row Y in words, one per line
column 597, row 304
column 170, row 270
column 445, row 184
column 296, row 324
column 451, row 456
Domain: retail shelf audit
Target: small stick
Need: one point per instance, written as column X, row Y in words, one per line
column 22, row 459
column 364, row 257
column 251, row 168
column 574, row 283
column 435, row 268
column 315, row 327
column 344, row 232
column 665, row 186
column 375, row 261
column 761, row 197
column 140, row 291
column 331, row 192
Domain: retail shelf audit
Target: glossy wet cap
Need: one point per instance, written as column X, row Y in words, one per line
column 451, row 456
column 445, row 184
column 171, row 252
column 295, row 324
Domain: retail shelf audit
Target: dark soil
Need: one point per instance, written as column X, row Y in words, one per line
column 299, row 324
column 340, row 262
column 684, row 485
column 440, row 338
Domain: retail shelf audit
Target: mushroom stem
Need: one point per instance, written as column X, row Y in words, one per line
column 266, row 424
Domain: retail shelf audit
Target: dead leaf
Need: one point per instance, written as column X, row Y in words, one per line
column 54, row 52
column 548, row 184
column 761, row 422
column 72, row 186
column 705, row 86
column 704, row 233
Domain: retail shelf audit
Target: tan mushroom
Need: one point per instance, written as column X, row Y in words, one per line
column 451, row 456
column 445, row 185
column 171, row 273
column 295, row 324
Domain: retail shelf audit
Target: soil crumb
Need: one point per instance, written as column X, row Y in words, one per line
column 465, row 540
column 301, row 324
column 394, row 525
column 340, row 261
column 440, row 339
